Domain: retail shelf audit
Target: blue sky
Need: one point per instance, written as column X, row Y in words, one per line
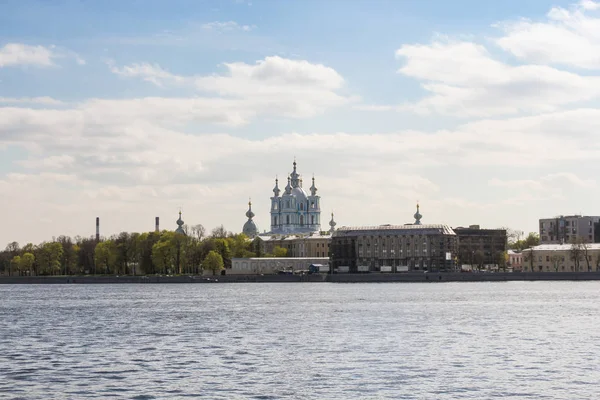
column 483, row 111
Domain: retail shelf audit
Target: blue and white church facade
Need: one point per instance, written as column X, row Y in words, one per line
column 295, row 211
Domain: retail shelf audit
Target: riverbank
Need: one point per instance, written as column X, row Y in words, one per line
column 335, row 278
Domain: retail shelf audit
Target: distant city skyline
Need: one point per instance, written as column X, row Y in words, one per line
column 484, row 113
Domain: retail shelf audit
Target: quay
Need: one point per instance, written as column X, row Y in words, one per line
column 410, row 277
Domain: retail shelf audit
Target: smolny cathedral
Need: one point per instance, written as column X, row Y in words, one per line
column 294, row 212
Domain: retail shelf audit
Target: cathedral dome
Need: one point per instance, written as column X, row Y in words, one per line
column 250, row 229
column 299, row 194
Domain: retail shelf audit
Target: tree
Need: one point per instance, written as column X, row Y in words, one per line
column 555, row 259
column 213, row 262
column 198, row 231
column 219, row 232
column 533, row 239
column 575, row 253
column 222, row 247
column 105, row 256
column 531, row 258
column 50, row 257
column 279, row 251
column 579, row 249
column 502, row 259
column 257, row 247
column 13, row 249
column 15, row 264
column 27, row 260
column 86, row 255
column 164, row 253
column 512, row 236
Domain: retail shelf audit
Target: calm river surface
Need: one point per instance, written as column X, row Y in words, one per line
column 537, row 340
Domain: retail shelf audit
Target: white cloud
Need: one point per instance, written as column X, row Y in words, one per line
column 464, row 80
column 43, row 100
column 147, row 72
column 127, row 164
column 547, row 183
column 567, row 36
column 13, row 54
column 227, row 26
column 274, row 86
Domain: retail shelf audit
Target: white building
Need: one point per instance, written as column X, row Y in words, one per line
column 562, row 258
column 295, row 211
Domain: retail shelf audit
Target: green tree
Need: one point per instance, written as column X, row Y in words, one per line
column 213, row 262
column 105, row 256
column 69, row 256
column 15, row 264
column 26, row 264
column 257, row 247
column 279, row 251
column 222, row 247
column 50, row 257
column 533, row 239
column 164, row 253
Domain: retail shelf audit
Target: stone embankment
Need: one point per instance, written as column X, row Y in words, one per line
column 336, row 278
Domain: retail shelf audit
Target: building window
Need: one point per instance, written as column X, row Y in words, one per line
column 301, row 206
column 312, row 204
column 287, row 219
column 302, row 220
column 312, row 219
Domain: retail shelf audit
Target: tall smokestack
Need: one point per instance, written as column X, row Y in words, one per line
column 97, row 229
column 156, row 225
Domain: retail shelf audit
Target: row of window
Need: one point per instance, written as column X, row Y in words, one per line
column 288, row 220
column 289, row 204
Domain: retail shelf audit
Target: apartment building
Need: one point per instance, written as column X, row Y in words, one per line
column 484, row 247
column 569, row 228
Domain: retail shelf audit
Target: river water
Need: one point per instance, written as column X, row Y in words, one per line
column 511, row 340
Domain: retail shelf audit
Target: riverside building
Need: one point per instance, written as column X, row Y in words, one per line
column 394, row 248
column 583, row 257
column 570, row 228
column 484, row 247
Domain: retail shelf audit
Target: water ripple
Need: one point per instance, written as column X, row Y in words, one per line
column 515, row 340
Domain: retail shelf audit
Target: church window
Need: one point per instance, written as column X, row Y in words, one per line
column 301, row 206
column 275, row 221
column 302, row 220
column 287, row 219
column 312, row 204
column 275, row 206
column 287, row 204
column 312, row 219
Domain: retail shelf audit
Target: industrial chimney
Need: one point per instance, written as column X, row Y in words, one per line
column 156, row 225
column 97, row 229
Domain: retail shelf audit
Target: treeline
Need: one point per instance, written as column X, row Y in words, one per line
column 163, row 252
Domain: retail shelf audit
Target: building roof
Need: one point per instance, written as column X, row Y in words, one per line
column 315, row 236
column 395, row 229
column 562, row 247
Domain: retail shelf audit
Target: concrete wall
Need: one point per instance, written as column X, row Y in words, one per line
column 270, row 265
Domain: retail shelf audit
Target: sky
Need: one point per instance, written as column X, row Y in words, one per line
column 483, row 112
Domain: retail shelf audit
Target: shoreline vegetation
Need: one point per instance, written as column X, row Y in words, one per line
column 148, row 253
column 409, row 277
